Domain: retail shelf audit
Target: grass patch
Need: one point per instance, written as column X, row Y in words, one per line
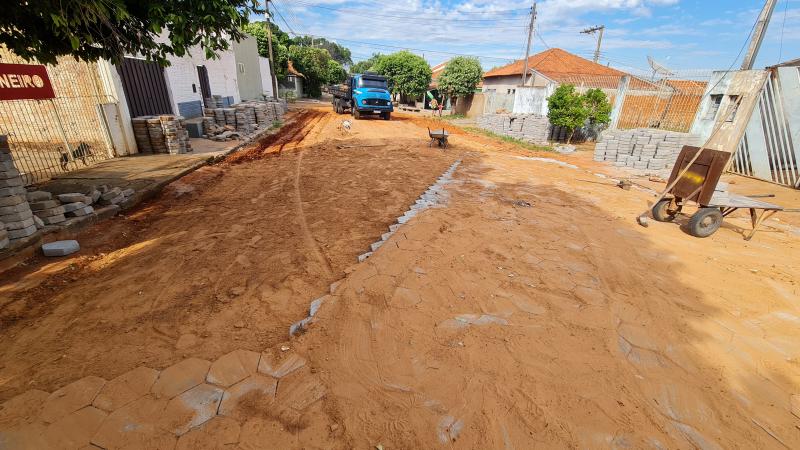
column 276, row 124
column 454, row 117
column 510, row 140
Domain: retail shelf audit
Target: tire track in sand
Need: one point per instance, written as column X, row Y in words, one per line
column 314, row 129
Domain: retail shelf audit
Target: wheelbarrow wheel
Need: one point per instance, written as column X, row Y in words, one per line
column 705, row 222
column 662, row 211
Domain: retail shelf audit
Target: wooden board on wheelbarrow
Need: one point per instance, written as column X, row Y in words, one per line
column 699, row 182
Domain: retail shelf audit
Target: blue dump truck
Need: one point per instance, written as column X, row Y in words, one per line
column 364, row 94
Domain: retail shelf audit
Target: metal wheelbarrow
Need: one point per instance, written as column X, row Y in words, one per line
column 698, row 184
column 439, row 137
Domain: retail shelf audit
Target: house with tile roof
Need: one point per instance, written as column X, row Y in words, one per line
column 554, row 66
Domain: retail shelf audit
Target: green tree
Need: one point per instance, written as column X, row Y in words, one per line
column 460, row 77
column 339, row 53
column 408, row 74
column 365, row 65
column 94, row 29
column 313, row 64
column 336, row 73
column 599, row 108
column 280, row 45
column 567, row 109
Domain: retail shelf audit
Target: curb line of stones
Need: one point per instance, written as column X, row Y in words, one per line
column 435, row 195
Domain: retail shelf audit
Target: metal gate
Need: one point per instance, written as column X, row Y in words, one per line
column 68, row 132
column 767, row 150
column 145, row 87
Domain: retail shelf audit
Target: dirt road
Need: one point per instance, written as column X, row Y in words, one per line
column 530, row 312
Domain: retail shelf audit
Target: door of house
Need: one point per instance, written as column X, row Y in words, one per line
column 205, row 86
column 145, row 87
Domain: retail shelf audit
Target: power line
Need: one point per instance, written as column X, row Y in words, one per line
column 783, row 29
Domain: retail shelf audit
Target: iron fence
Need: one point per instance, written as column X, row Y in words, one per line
column 68, row 132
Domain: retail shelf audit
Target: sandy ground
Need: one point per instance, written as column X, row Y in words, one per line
column 531, row 312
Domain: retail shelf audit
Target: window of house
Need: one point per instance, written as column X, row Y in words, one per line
column 241, row 67
column 716, row 100
column 733, row 108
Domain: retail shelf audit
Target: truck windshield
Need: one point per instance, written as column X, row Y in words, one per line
column 372, row 83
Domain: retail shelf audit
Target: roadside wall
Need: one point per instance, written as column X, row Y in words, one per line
column 248, row 68
column 531, row 128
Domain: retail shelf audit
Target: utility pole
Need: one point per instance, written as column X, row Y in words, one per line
column 758, row 34
column 528, row 48
column 271, row 57
column 592, row 30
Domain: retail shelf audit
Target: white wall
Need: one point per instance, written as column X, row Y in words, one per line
column 112, row 86
column 180, row 75
column 222, row 74
column 266, row 76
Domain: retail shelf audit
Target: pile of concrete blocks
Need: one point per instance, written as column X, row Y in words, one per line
column 141, row 133
column 77, row 204
column 648, row 151
column 532, row 128
column 245, row 118
column 215, row 101
column 107, row 195
column 16, row 218
column 161, row 134
column 241, row 119
column 176, row 138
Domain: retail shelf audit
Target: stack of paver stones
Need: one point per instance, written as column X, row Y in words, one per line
column 648, row 151
column 531, row 128
column 244, row 118
column 161, row 134
column 16, row 218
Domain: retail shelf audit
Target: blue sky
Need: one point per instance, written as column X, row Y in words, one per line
column 686, row 36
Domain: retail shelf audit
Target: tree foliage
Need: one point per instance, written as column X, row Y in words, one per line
column 313, row 63
column 365, row 65
column 408, row 74
column 599, row 108
column 571, row 110
column 95, row 29
column 460, row 77
column 567, row 109
column 339, row 53
column 336, row 73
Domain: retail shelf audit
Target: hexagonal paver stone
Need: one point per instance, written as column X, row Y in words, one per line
column 192, row 408
column 125, row 388
column 76, row 429
column 233, row 368
column 217, row 433
column 300, row 391
column 254, row 392
column 71, row 398
column 24, row 408
column 135, row 425
column 278, row 369
column 180, row 377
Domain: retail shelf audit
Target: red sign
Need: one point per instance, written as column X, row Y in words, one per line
column 25, row 82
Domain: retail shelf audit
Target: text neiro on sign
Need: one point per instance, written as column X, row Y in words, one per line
column 25, row 82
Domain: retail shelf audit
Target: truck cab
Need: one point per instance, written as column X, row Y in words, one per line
column 367, row 94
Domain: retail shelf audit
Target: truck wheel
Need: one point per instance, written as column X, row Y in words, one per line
column 336, row 106
column 705, row 222
column 387, row 116
column 356, row 114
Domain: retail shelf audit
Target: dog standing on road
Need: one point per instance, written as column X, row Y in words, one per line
column 82, row 151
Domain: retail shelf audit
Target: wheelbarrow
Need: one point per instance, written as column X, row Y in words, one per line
column 439, row 137
column 698, row 184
